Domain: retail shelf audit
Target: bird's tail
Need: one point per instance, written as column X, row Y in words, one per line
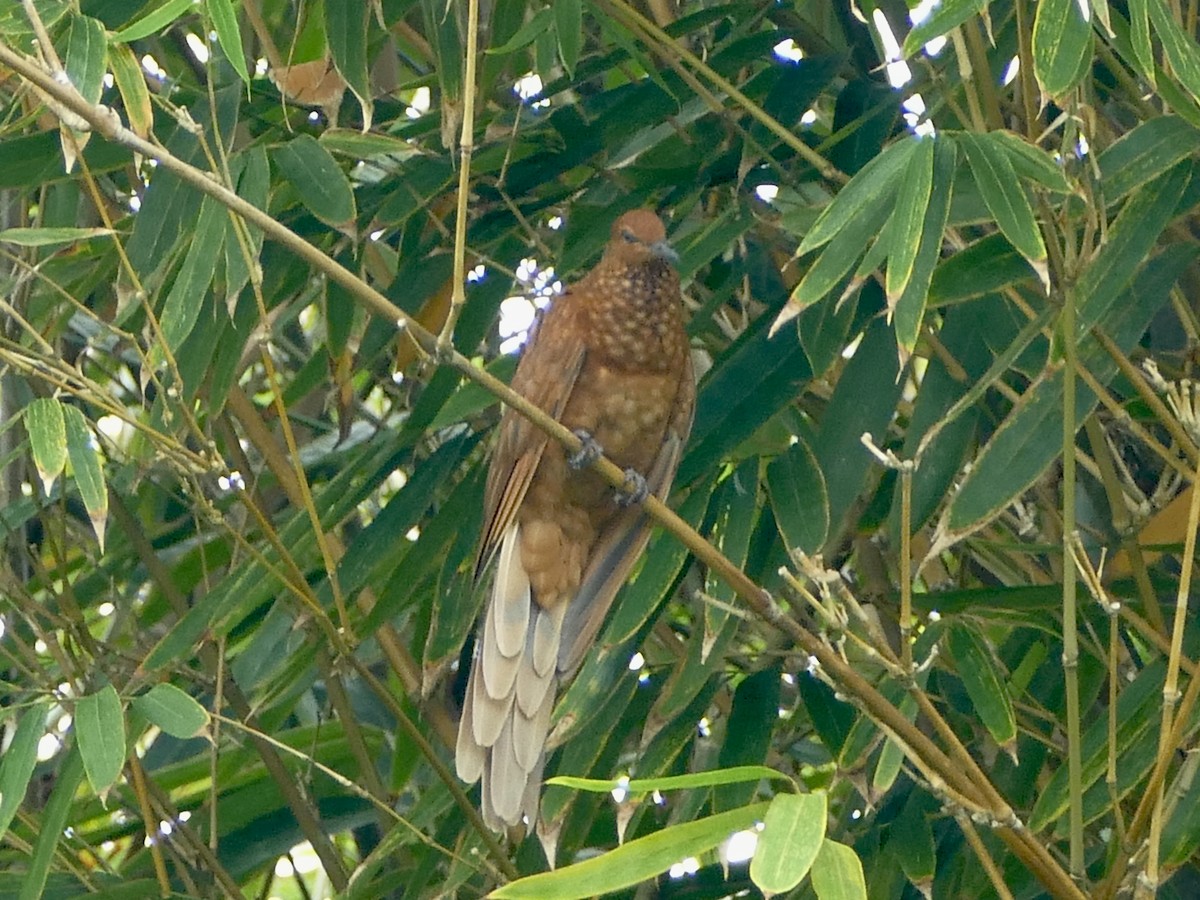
column 510, row 694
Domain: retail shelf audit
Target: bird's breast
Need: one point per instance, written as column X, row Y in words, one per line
column 626, row 412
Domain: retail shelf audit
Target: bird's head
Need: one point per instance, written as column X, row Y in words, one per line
column 639, row 237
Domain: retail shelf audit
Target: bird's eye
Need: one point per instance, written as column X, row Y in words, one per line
column 629, row 236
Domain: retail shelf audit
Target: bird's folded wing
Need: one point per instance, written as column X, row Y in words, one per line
column 545, row 376
column 624, row 540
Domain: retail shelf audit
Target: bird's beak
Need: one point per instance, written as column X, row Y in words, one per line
column 663, row 250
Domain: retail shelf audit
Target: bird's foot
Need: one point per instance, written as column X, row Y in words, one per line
column 588, row 453
column 634, row 490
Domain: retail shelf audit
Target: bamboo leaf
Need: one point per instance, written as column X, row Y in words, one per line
column 997, row 182
column 792, row 834
column 837, row 873
column 633, row 862
column 317, row 179
column 100, row 730
column 229, row 35
column 985, row 684
column 172, row 710
column 88, row 469
column 1062, row 46
column 47, row 430
column 907, row 225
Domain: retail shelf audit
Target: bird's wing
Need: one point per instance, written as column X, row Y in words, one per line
column 545, row 376
column 624, row 540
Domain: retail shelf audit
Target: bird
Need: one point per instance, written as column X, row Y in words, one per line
column 610, row 360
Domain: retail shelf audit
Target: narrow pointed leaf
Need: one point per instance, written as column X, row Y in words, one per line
column 997, row 182
column 229, row 34
column 1145, row 153
column 798, row 498
column 1181, row 50
column 837, row 873
column 100, row 730
column 568, row 27
column 131, row 83
column 1031, row 162
column 47, row 432
column 731, row 775
column 986, row 686
column 1139, row 35
column 174, row 711
column 52, row 822
column 317, row 178
column 633, row 862
column 1031, row 437
column 908, row 219
column 793, row 831
column 1062, row 45
column 190, row 290
column 87, row 57
column 18, row 761
column 88, row 470
column 909, row 311
column 346, row 27
column 155, row 21
column 945, row 17
column 874, row 183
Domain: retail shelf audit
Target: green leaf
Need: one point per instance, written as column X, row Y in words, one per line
column 997, row 182
column 837, row 873
column 909, row 311
column 156, row 21
column 539, row 23
column 839, row 256
column 229, row 35
column 87, row 467
column 983, row 267
column 1180, row 48
column 636, row 786
column 1031, row 162
column 752, row 723
column 633, row 862
column 48, row 438
column 318, row 180
column 174, row 711
column 130, row 81
column 1062, row 46
column 910, row 838
column 346, row 27
column 863, row 401
column 986, row 686
column 792, row 834
column 51, row 824
column 907, row 224
column 1129, row 241
column 798, row 498
column 945, row 16
column 87, row 57
column 49, row 237
column 100, row 731
column 18, row 761
column 1139, row 28
column 568, row 28
column 190, row 290
column 891, row 757
column 874, row 184
column 1030, row 438
column 1143, row 154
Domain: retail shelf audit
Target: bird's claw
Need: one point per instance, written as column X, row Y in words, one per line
column 634, row 490
column 588, row 453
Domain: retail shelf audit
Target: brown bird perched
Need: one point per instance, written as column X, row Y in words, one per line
column 609, row 360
